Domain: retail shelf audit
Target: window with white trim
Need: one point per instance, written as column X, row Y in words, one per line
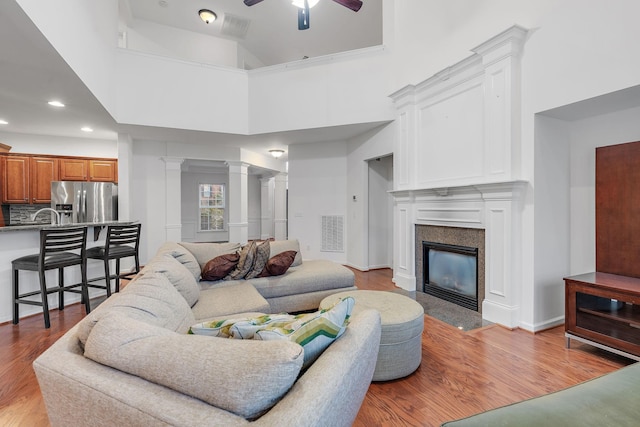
column 212, row 205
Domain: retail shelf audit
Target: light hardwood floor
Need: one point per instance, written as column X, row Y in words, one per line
column 462, row 373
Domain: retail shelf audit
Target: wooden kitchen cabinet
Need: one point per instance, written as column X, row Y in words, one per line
column 43, row 170
column 27, row 180
column 74, row 169
column 15, row 180
column 103, row 170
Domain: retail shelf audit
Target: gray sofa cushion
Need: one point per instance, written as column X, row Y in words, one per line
column 204, row 252
column 221, row 299
column 183, row 256
column 178, row 275
column 245, row 377
column 312, row 276
column 151, row 298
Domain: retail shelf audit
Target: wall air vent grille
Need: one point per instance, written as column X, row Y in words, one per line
column 332, row 233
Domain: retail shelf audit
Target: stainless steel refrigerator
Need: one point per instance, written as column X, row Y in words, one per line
column 78, row 202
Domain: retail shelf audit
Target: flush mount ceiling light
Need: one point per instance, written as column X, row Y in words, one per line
column 3, row 122
column 56, row 104
column 276, row 153
column 86, row 129
column 207, row 16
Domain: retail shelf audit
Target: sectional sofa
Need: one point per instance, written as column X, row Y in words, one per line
column 131, row 362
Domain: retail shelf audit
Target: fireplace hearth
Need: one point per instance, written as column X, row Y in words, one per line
column 450, row 272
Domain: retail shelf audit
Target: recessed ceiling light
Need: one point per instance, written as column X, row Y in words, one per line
column 163, row 3
column 55, row 103
column 3, row 122
column 86, row 129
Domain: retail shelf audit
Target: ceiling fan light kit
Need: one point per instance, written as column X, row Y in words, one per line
column 304, row 6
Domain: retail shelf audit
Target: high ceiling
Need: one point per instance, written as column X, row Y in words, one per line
column 32, row 72
column 272, row 33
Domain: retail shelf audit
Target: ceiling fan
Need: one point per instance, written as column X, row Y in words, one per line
column 303, row 11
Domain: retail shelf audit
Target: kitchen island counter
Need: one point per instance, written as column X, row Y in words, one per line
column 28, row 227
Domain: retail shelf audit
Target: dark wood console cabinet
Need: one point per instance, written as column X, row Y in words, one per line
column 603, row 310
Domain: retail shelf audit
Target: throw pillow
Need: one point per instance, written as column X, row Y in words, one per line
column 239, row 328
column 203, row 252
column 219, row 267
column 260, row 260
column 313, row 331
column 247, row 254
column 245, row 377
column 279, row 264
column 278, row 246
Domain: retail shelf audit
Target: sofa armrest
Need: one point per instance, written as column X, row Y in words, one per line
column 331, row 391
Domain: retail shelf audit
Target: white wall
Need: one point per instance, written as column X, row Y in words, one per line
column 343, row 89
column 59, row 146
column 149, row 37
column 317, row 177
column 552, row 233
column 149, row 200
column 159, row 91
column 85, row 34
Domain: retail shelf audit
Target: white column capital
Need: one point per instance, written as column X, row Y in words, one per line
column 237, row 165
column 172, row 163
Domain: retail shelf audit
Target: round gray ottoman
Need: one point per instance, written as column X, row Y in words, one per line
column 402, row 321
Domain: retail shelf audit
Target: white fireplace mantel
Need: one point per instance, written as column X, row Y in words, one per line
column 456, row 164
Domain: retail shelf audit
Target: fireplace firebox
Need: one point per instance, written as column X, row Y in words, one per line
column 451, row 273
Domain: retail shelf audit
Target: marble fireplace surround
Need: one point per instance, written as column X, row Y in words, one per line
column 469, row 237
column 495, row 208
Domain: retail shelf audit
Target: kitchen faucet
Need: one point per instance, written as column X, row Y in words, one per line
column 57, row 221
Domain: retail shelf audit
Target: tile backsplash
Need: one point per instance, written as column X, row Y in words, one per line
column 19, row 214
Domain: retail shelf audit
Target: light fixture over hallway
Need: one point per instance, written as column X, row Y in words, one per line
column 276, row 153
column 207, row 16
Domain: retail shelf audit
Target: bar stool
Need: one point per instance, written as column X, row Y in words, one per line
column 122, row 241
column 59, row 248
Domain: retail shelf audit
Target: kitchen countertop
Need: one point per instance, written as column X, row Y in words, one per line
column 29, row 227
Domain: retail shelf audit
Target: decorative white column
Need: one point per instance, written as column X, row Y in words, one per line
column 267, row 186
column 280, row 207
column 173, row 196
column 125, row 169
column 238, row 202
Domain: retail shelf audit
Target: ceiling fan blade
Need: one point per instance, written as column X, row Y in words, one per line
column 251, row 2
column 303, row 17
column 354, row 5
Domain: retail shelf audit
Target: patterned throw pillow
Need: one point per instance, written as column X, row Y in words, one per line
column 260, row 260
column 247, row 255
column 279, row 264
column 239, row 328
column 313, row 331
column 219, row 267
